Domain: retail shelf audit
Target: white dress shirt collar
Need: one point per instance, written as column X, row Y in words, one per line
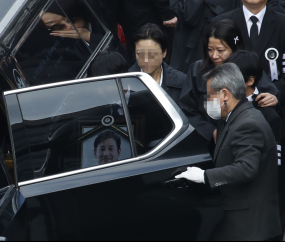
column 256, row 92
column 161, row 78
column 248, row 15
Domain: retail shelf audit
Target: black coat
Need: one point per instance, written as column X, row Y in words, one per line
column 272, row 35
column 140, row 12
column 192, row 99
column 246, row 173
column 273, row 119
column 173, row 80
column 194, row 17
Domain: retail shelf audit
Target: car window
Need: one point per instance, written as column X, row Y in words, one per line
column 150, row 121
column 74, row 127
column 60, row 44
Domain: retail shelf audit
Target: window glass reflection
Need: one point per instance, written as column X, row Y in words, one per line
column 75, row 127
column 151, row 123
column 61, row 43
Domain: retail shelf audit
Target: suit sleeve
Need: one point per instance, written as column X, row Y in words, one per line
column 164, row 8
column 266, row 85
column 188, row 12
column 247, row 144
column 189, row 103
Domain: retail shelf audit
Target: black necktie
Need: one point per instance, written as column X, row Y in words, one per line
column 254, row 33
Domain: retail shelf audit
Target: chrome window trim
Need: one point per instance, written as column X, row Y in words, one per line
column 10, row 15
column 175, row 114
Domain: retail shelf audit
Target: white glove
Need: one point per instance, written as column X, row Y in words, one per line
column 193, row 174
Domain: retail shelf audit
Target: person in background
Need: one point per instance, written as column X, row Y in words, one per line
column 137, row 13
column 150, row 45
column 251, row 68
column 193, row 19
column 221, row 40
column 108, row 63
column 245, row 162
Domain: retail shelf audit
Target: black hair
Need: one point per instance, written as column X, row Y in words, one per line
column 108, row 63
column 107, row 135
column 249, row 65
column 225, row 30
column 153, row 32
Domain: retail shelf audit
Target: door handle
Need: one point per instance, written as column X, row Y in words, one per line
column 178, row 183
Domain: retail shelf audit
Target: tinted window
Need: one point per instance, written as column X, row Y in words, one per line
column 60, row 44
column 151, row 123
column 74, row 127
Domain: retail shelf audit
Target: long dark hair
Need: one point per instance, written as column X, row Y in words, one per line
column 225, row 30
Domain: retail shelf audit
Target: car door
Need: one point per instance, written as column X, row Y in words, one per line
column 96, row 159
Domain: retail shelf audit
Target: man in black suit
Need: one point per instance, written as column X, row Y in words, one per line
column 193, row 18
column 245, row 162
column 263, row 31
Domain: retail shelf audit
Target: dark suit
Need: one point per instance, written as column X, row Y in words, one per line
column 173, row 80
column 273, row 119
column 192, row 99
column 246, row 173
column 272, row 35
column 194, row 17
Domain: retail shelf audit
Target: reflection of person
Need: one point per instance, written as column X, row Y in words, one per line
column 245, row 162
column 150, row 44
column 61, row 27
column 107, row 148
column 221, row 40
column 108, row 63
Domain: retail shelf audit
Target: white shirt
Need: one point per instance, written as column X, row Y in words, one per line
column 256, row 92
column 248, row 15
column 161, row 78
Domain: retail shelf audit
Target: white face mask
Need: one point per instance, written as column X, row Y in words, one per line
column 214, row 109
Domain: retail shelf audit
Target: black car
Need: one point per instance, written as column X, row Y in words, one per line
column 90, row 158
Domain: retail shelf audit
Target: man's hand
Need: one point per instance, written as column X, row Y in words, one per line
column 215, row 136
column 72, row 34
column 171, row 23
column 268, row 100
column 193, row 174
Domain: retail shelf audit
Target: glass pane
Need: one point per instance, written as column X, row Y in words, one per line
column 54, row 51
column 82, row 17
column 75, row 127
column 5, row 7
column 151, row 123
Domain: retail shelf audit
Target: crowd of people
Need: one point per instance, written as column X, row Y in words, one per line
column 237, row 49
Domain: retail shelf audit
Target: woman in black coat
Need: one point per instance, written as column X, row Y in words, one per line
column 222, row 39
column 150, row 44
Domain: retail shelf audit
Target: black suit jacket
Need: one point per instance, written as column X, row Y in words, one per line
column 273, row 119
column 272, row 35
column 194, row 17
column 246, row 173
column 173, row 80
